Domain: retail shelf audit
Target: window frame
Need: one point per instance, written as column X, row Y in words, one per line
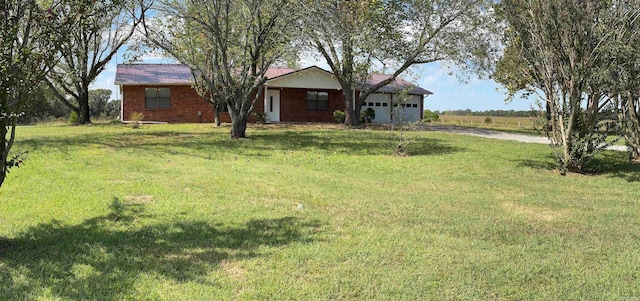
column 316, row 101
column 156, row 98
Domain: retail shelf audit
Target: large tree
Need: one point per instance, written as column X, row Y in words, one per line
column 29, row 35
column 357, row 37
column 228, row 44
column 101, row 29
column 559, row 51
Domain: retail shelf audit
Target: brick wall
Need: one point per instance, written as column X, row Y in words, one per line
column 293, row 106
column 185, row 104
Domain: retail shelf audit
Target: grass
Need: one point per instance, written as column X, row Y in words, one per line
column 521, row 125
column 181, row 212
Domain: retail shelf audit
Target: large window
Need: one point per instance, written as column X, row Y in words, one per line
column 317, row 101
column 157, row 98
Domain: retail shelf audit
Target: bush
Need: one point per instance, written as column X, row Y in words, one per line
column 338, row 116
column 487, row 120
column 261, row 116
column 73, row 117
column 429, row 116
column 137, row 118
column 367, row 116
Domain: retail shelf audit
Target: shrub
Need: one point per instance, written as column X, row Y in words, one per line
column 429, row 116
column 261, row 116
column 338, row 116
column 73, row 117
column 137, row 118
column 367, row 116
column 487, row 120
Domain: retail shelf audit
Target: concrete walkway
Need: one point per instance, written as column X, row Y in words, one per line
column 497, row 135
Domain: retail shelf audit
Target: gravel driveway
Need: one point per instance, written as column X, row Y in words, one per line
column 497, row 135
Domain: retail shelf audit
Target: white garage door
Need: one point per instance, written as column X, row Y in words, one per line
column 380, row 103
column 409, row 112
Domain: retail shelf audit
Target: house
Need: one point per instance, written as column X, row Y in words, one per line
column 163, row 92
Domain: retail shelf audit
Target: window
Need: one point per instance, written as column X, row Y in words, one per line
column 384, row 104
column 317, row 101
column 415, row 105
column 377, row 104
column 157, row 98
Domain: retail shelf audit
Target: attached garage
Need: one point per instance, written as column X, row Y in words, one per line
column 381, row 104
column 410, row 111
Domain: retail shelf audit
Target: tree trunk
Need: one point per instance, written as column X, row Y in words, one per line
column 3, row 150
column 349, row 114
column 239, row 127
column 84, row 115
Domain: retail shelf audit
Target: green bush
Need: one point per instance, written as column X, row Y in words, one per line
column 261, row 116
column 429, row 116
column 338, row 116
column 488, row 120
column 367, row 116
column 73, row 117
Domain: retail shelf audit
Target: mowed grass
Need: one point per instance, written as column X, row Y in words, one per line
column 181, row 212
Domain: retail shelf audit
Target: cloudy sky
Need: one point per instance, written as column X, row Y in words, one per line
column 449, row 92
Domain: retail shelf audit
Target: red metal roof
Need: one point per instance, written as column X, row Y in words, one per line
column 177, row 74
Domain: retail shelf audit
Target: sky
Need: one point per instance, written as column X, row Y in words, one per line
column 448, row 92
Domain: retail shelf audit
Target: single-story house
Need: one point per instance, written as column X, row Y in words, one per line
column 163, row 92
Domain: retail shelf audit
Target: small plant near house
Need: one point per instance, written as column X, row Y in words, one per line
column 338, row 116
column 261, row 116
column 367, row 116
column 136, row 119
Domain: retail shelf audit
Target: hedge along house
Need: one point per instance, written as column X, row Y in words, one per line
column 163, row 93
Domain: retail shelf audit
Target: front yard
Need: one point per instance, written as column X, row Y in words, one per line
column 180, row 212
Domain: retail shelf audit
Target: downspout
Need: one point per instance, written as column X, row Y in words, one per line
column 264, row 102
column 121, row 103
column 391, row 108
column 422, row 108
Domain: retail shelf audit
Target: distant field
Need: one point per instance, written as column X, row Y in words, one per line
column 323, row 212
column 495, row 122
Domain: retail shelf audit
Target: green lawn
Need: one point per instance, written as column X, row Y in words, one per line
column 181, row 212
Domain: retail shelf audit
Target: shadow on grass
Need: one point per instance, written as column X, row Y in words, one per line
column 608, row 163
column 259, row 144
column 106, row 259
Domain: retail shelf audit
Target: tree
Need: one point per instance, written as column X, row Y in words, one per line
column 101, row 29
column 29, row 32
column 557, row 50
column 98, row 99
column 357, row 37
column 625, row 51
column 228, row 44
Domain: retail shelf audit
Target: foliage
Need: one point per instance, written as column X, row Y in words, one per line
column 29, row 36
column 261, row 116
column 73, row 117
column 488, row 120
column 98, row 99
column 357, row 37
column 112, row 109
column 560, row 50
column 43, row 106
column 100, row 29
column 367, row 116
column 136, row 118
column 429, row 116
column 228, row 45
column 338, row 116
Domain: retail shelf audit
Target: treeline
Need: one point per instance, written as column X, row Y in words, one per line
column 499, row 113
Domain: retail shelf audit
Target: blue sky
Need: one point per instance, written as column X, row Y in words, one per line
column 448, row 92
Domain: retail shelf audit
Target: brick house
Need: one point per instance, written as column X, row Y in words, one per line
column 163, row 93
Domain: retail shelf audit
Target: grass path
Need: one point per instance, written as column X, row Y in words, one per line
column 180, row 212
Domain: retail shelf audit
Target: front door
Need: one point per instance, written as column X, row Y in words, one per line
column 272, row 105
